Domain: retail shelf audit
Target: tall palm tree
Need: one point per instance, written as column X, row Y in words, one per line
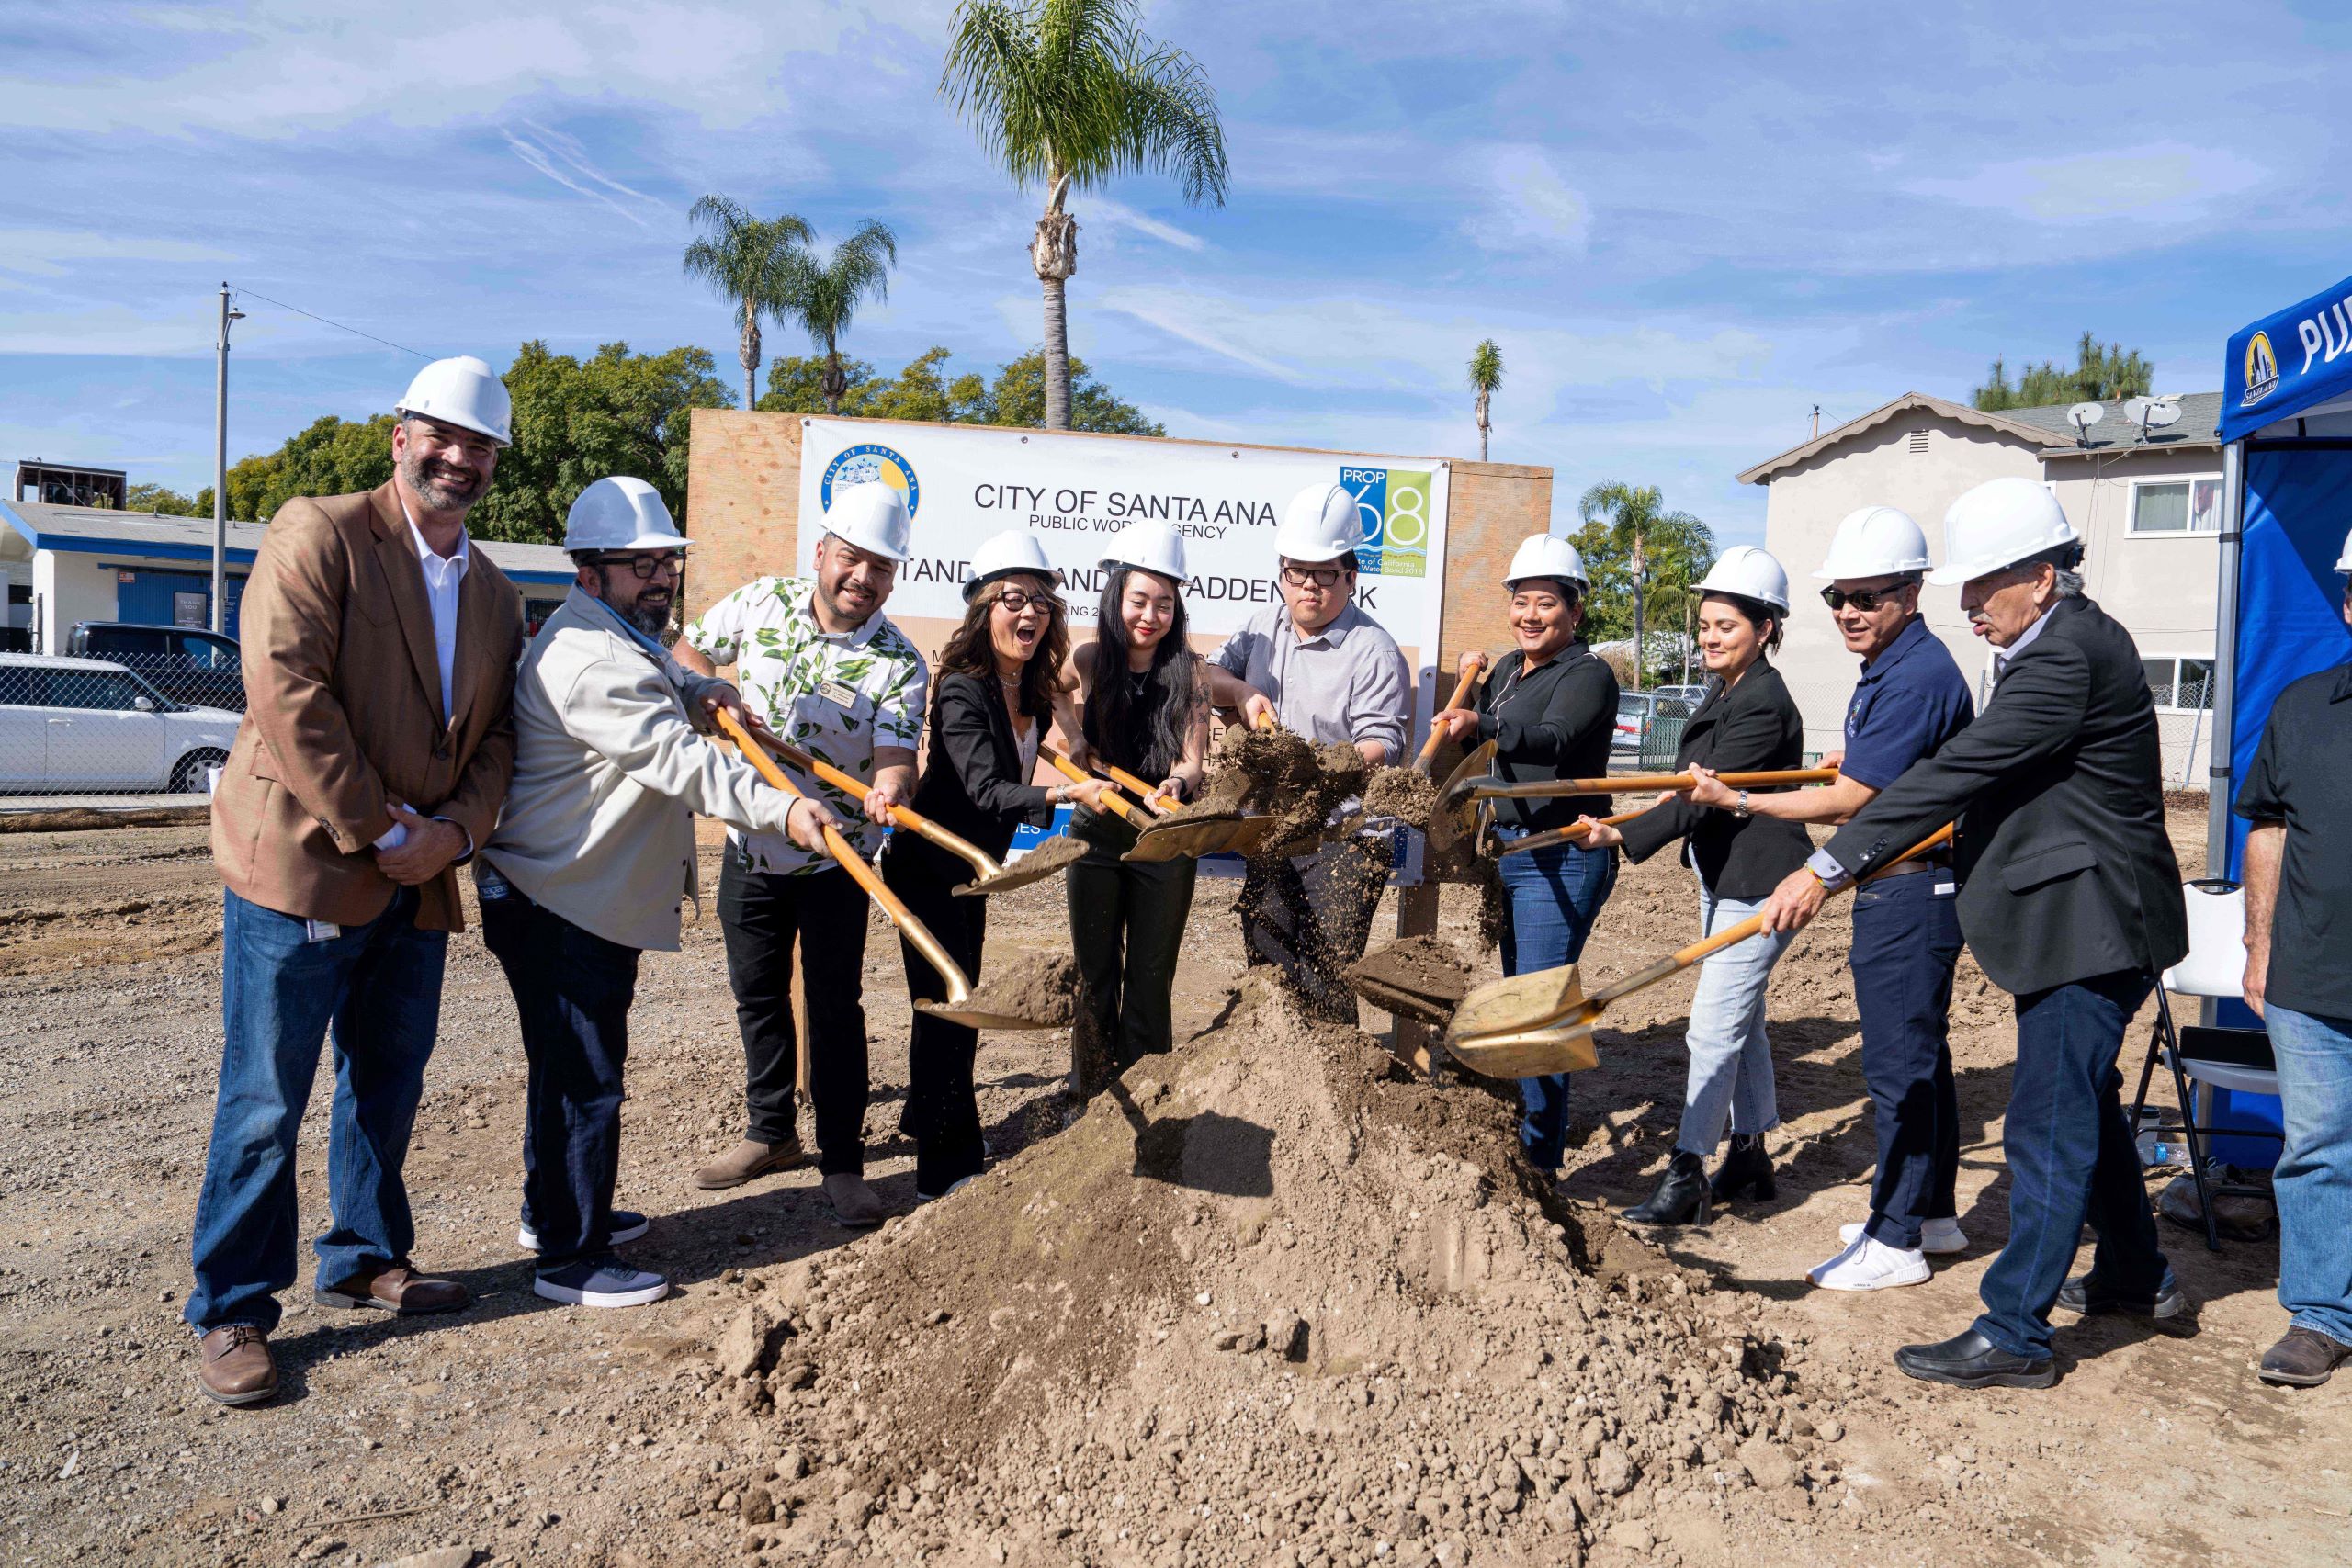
column 746, row 260
column 1628, row 531
column 819, row 296
column 1070, row 93
column 1486, row 375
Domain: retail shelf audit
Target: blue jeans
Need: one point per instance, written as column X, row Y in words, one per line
column 2070, row 1158
column 380, row 988
column 2313, row 1181
column 572, row 990
column 1907, row 939
column 1731, row 1058
column 1552, row 897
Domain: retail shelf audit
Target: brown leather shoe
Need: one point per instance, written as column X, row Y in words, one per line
column 748, row 1161
column 2304, row 1358
column 394, row 1288
column 232, row 1365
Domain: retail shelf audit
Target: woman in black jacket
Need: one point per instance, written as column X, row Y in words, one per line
column 999, row 681
column 1747, row 723
column 1146, row 710
column 1551, row 709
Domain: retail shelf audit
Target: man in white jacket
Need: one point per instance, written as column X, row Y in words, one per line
column 590, row 861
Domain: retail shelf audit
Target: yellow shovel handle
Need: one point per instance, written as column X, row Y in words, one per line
column 1461, row 689
column 905, row 816
column 1149, row 794
column 1076, row 774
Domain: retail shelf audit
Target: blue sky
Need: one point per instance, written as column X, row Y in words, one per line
column 1685, row 223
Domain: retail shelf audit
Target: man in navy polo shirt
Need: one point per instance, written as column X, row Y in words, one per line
column 1910, row 700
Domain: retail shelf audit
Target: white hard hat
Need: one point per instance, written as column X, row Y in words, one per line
column 463, row 390
column 1999, row 523
column 1321, row 524
column 1013, row 553
column 1155, row 546
column 620, row 513
column 2344, row 561
column 873, row 516
column 1750, row 573
column 1547, row 555
column 1877, row 541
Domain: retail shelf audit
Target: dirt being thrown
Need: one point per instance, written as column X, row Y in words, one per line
column 1038, row 986
column 1419, row 976
column 1405, row 794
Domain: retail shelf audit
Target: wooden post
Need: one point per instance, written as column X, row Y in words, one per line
column 1416, row 916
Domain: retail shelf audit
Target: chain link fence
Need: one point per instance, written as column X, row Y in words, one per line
column 140, row 723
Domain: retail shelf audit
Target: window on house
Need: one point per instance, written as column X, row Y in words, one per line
column 2182, row 684
column 2176, row 506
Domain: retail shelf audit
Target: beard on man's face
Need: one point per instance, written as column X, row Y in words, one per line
column 444, row 485
column 648, row 613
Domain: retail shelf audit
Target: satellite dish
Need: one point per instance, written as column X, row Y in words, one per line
column 2161, row 414
column 2136, row 409
column 2082, row 416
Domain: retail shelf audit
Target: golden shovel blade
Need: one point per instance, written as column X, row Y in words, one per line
column 977, row 1018
column 1451, row 820
column 1184, row 836
column 1052, row 857
column 1531, row 1054
column 1505, row 1025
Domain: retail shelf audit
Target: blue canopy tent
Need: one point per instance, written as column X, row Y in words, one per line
column 2287, row 503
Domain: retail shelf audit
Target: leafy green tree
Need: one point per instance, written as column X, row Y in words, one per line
column 328, row 457
column 577, row 420
column 749, row 261
column 1023, row 396
column 822, row 297
column 796, row 385
column 1072, row 93
column 1641, row 558
column 1485, row 376
column 923, row 390
column 2102, row 373
column 165, row 502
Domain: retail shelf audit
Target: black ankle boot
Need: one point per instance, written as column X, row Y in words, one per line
column 1681, row 1197
column 1745, row 1168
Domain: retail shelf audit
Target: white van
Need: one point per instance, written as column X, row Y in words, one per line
column 86, row 724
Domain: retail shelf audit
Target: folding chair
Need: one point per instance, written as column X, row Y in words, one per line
column 2235, row 1059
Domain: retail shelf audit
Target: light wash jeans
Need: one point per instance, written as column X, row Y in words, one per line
column 1731, row 1061
column 2313, row 1181
column 1554, row 895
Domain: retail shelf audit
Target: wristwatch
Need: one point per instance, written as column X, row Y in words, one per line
column 1741, row 809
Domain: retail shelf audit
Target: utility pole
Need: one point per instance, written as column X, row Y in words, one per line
column 220, row 464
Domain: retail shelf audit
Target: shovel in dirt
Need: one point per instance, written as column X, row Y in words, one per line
column 961, row 1006
column 1527, row 1025
column 1456, row 812
column 1195, row 831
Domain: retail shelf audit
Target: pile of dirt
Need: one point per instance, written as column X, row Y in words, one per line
column 1042, row 987
column 1051, row 855
column 1405, row 794
column 1270, row 1299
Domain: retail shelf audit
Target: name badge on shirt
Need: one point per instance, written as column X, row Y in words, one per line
column 834, row 692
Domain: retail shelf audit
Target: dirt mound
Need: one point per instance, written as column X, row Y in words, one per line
column 1269, row 1299
column 1040, row 986
column 1050, row 855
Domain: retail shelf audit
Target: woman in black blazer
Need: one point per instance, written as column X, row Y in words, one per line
column 1746, row 724
column 998, row 687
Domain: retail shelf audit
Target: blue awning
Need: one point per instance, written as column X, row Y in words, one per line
column 2290, row 363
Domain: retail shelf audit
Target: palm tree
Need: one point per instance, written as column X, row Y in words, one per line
column 819, row 296
column 746, row 259
column 1628, row 531
column 1070, row 93
column 1486, row 375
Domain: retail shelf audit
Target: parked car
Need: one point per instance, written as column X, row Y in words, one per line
column 185, row 663
column 1647, row 721
column 91, row 725
column 1693, row 696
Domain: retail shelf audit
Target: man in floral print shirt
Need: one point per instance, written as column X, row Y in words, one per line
column 821, row 666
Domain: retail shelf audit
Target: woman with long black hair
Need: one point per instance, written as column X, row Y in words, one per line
column 1145, row 707
column 998, row 687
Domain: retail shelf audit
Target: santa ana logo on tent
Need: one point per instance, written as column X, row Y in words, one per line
column 865, row 463
column 2261, row 370
column 1394, row 505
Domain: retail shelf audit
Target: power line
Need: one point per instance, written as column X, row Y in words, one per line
column 339, row 326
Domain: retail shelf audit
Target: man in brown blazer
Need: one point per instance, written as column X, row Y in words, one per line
column 378, row 743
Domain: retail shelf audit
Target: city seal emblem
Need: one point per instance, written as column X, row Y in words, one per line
column 864, row 464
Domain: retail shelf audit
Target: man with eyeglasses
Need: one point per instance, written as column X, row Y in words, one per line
column 589, row 862
column 1328, row 671
column 822, row 664
column 1910, row 701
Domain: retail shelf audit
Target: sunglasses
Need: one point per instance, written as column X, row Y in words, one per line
column 1862, row 599
column 643, row 568
column 1320, row 576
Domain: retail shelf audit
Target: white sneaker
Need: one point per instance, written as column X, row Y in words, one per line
column 1868, row 1265
column 1935, row 1235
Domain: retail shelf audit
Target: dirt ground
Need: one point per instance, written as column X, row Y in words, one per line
column 524, row 1432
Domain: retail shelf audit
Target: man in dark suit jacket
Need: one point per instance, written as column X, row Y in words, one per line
column 2071, row 902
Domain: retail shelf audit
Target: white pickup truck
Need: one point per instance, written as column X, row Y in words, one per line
column 86, row 724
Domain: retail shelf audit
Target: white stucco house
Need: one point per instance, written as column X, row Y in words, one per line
column 2147, row 504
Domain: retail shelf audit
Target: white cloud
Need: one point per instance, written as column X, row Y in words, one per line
column 48, row 253
column 538, row 158
column 1105, row 213
column 2162, row 182
column 1528, row 206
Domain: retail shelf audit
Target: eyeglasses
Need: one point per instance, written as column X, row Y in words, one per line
column 643, row 568
column 1862, row 599
column 1320, row 576
column 1014, row 601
